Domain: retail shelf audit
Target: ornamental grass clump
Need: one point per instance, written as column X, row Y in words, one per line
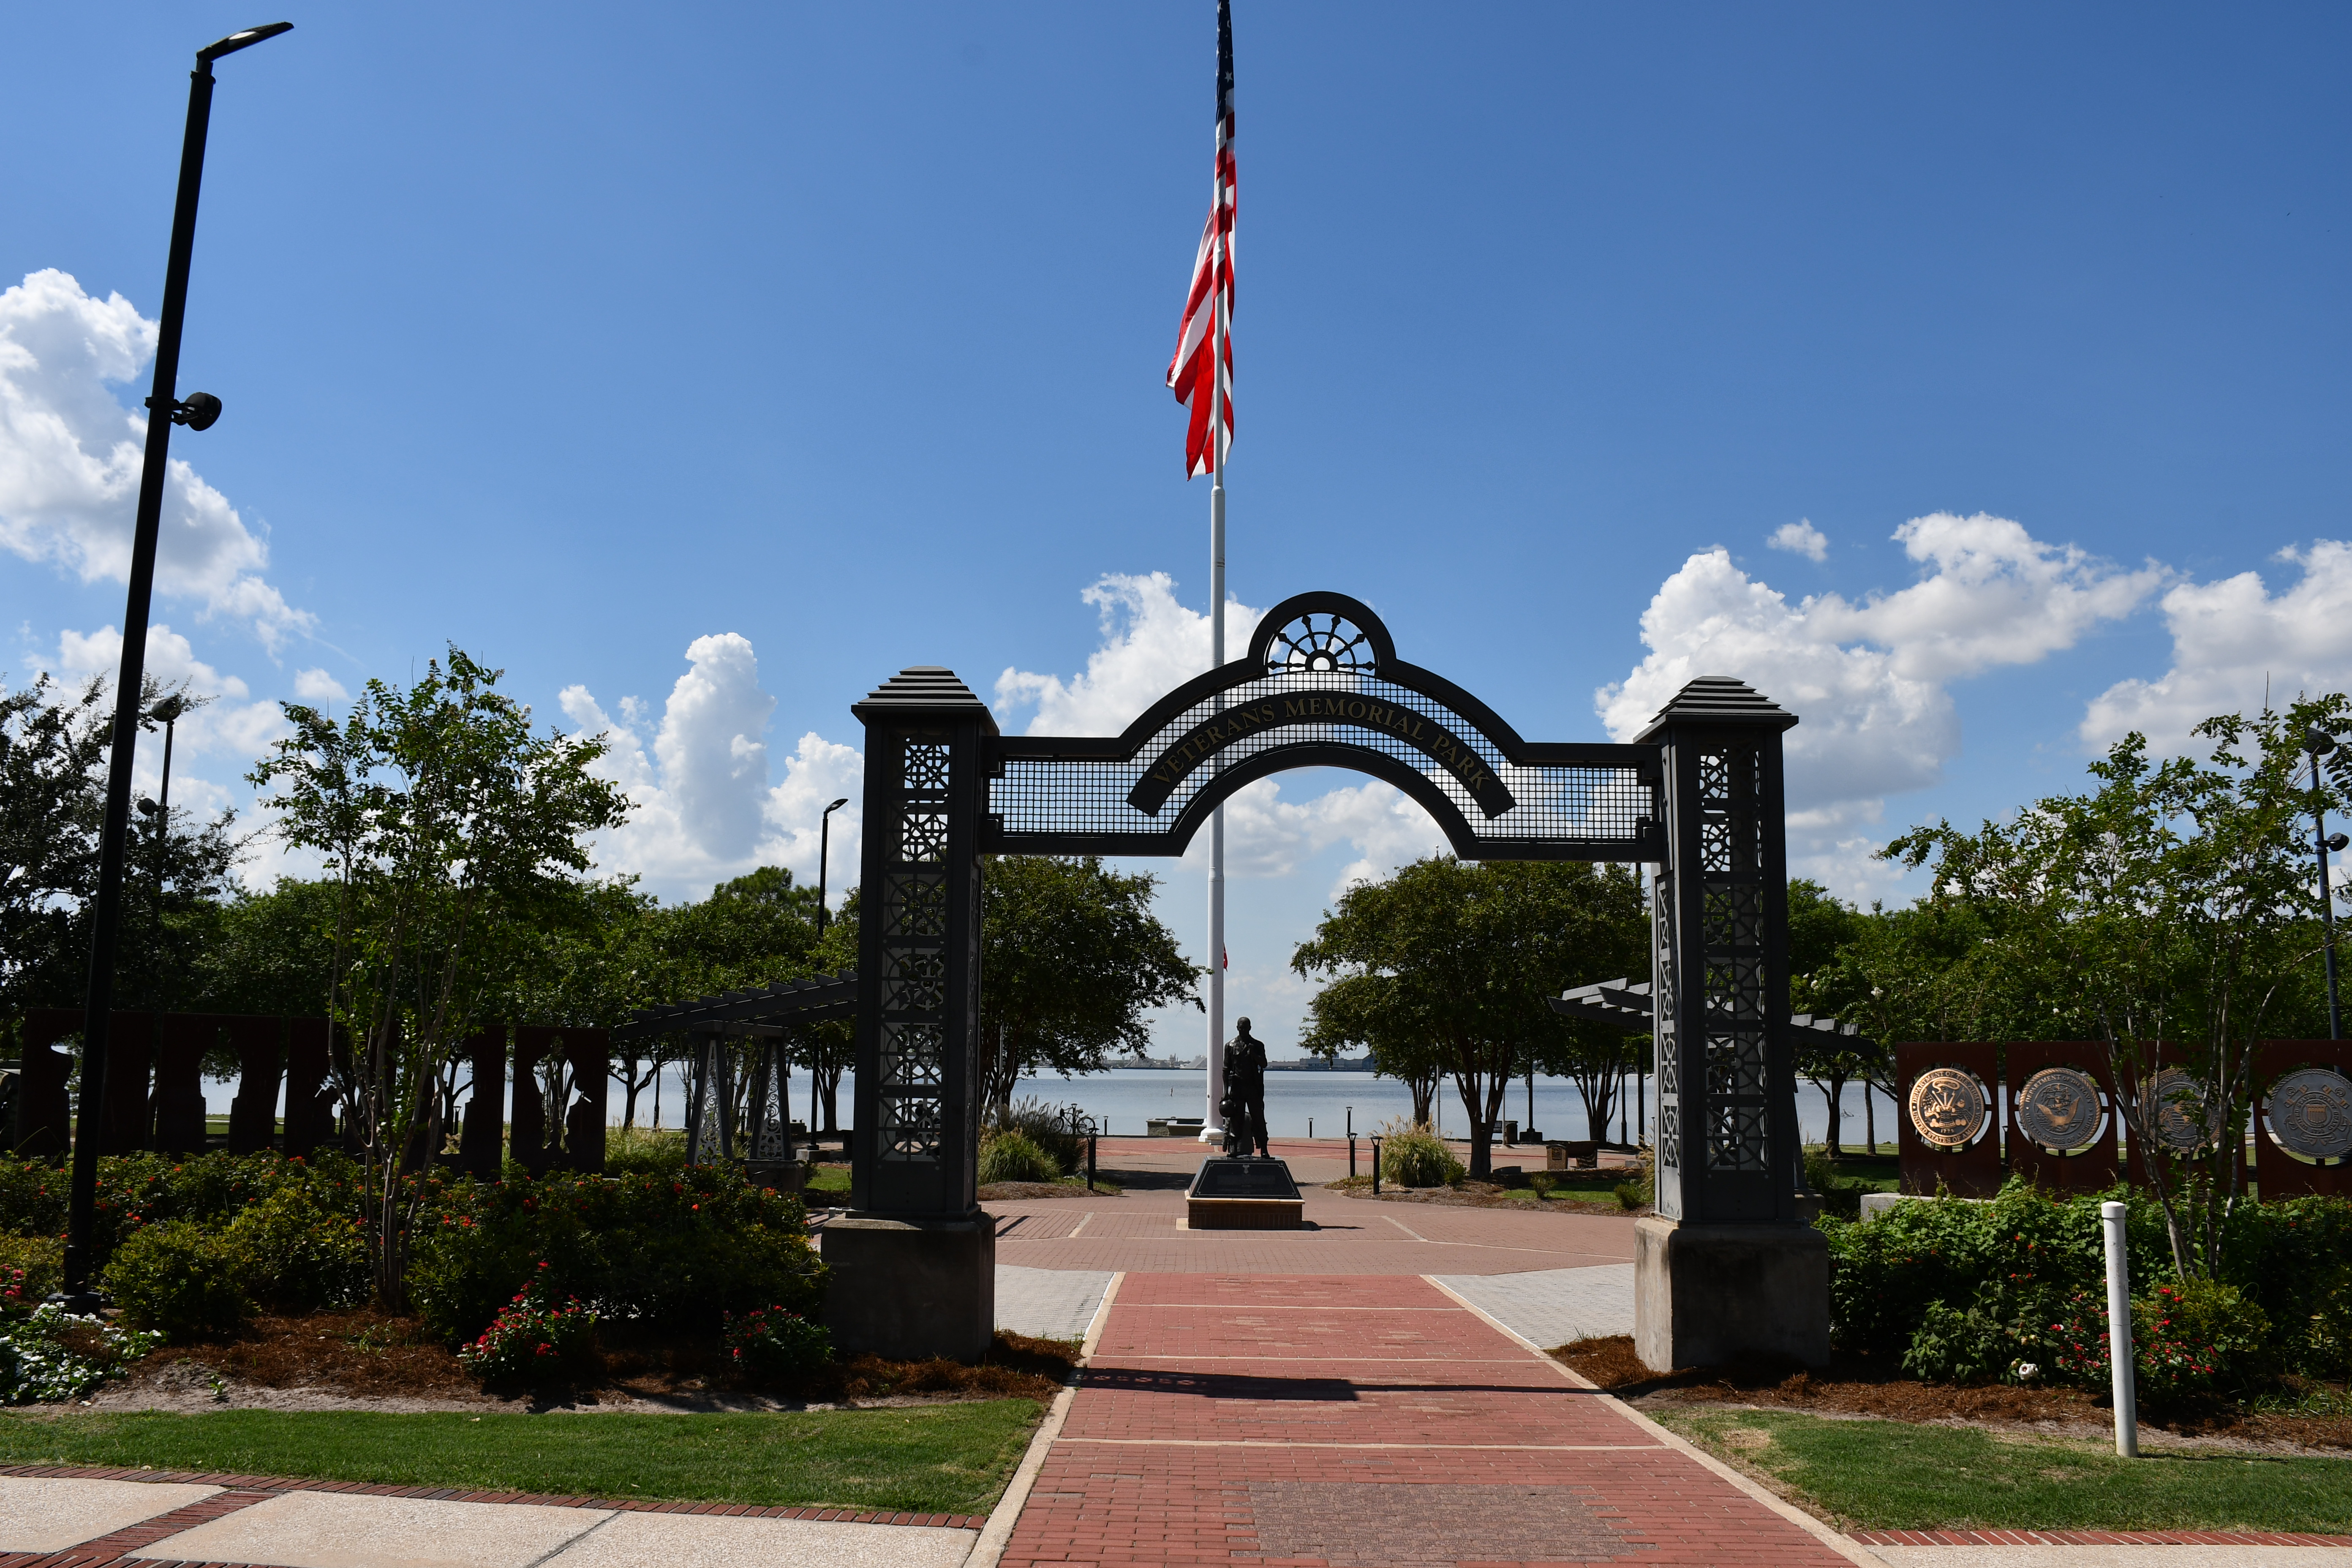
column 534, row 1339
column 1412, row 1155
column 1010, row 1156
column 770, row 1345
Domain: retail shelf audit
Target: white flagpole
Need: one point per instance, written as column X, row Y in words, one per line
column 1212, row 1120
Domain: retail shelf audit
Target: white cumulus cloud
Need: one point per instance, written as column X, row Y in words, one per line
column 1869, row 679
column 1151, row 645
column 1801, row 537
column 703, row 809
column 318, row 686
column 2232, row 642
column 70, row 455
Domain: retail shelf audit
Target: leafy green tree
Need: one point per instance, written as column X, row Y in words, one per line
column 52, row 751
column 1360, row 1011
column 1820, row 928
column 2169, row 913
column 1476, row 952
column 452, row 831
column 1072, row 960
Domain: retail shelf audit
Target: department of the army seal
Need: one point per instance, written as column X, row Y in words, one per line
column 2311, row 1113
column 1948, row 1106
column 2181, row 1123
column 2059, row 1108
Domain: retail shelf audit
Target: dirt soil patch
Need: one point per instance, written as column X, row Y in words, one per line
column 364, row 1360
column 1853, row 1385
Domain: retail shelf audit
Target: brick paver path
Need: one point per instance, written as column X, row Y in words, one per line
column 1322, row 1421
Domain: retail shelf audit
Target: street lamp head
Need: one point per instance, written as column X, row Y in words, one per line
column 146, row 807
column 836, row 805
column 169, row 711
column 2317, row 742
column 244, row 40
column 197, row 411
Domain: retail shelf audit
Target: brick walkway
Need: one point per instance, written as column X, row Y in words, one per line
column 1324, row 1421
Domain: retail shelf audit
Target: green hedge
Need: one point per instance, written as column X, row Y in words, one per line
column 1964, row 1290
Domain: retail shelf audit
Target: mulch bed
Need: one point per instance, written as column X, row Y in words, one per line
column 1853, row 1385
column 1003, row 1191
column 366, row 1354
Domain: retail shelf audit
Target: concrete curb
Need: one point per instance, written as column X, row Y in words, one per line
column 997, row 1533
column 1844, row 1546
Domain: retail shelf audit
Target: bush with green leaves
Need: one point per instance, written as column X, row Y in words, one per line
column 31, row 1266
column 1963, row 1291
column 1008, row 1156
column 673, row 1253
column 536, row 1338
column 302, row 1255
column 137, row 1190
column 770, row 1345
column 1412, row 1155
column 48, row 1355
column 182, row 1278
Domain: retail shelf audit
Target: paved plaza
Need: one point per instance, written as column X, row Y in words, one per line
column 1365, row 1392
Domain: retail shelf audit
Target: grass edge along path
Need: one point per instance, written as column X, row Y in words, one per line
column 949, row 1457
column 1897, row 1475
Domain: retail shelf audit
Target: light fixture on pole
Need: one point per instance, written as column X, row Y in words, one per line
column 825, row 853
column 197, row 412
column 2319, row 742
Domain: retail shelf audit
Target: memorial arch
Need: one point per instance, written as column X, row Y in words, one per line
column 1697, row 797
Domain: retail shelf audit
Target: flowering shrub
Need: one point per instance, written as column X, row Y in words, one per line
column 772, row 1345
column 302, row 1254
column 534, row 1339
column 182, row 1280
column 2167, row 1365
column 50, row 1355
column 135, row 1191
column 674, row 1252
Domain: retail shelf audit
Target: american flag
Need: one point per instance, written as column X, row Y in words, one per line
column 1201, row 373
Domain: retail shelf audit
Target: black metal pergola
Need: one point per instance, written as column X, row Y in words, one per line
column 769, row 1014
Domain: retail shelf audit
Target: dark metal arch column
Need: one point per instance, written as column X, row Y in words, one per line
column 1727, row 1266
column 914, row 1262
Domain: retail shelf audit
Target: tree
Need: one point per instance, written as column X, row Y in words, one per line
column 1072, row 958
column 451, row 830
column 1361, row 1011
column 1819, row 928
column 2167, row 913
column 1476, row 952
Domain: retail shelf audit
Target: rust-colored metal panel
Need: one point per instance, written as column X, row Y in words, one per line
column 1948, row 1114
column 309, row 1098
column 592, row 1080
column 44, row 1107
column 182, row 1038
column 2059, row 1108
column 130, row 1056
column 260, row 1057
column 527, row 1129
column 2311, row 1113
column 481, row 1144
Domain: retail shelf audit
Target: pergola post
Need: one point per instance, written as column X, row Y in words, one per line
column 913, row 1264
column 1727, row 1268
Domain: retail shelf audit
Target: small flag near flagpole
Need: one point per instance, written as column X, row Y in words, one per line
column 1200, row 373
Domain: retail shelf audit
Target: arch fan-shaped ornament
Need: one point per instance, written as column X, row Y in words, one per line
column 1336, row 646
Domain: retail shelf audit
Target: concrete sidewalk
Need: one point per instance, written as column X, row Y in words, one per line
column 93, row 1521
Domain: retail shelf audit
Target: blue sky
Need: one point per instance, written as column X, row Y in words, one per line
column 702, row 367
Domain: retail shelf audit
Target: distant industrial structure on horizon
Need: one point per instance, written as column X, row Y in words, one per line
column 1200, row 1064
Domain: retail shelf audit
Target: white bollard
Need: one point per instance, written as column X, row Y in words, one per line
column 2119, row 1331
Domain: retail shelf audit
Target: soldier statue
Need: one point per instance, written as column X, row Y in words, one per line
column 1244, row 1105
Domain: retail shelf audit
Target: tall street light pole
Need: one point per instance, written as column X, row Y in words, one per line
column 164, row 409
column 823, row 855
column 2319, row 742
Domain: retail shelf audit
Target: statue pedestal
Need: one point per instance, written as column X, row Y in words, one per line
column 1243, row 1193
column 1708, row 1295
column 911, row 1288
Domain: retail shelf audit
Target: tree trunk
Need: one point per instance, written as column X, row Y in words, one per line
column 1834, row 1090
column 829, row 1081
column 629, row 1087
column 1870, row 1117
column 1425, row 1097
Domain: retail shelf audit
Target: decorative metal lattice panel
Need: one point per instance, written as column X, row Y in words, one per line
column 1605, row 810
column 1731, row 872
column 914, row 960
column 1665, row 1005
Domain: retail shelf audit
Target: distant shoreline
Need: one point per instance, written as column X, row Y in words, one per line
column 1302, row 1064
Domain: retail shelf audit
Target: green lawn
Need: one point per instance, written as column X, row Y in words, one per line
column 1892, row 1475
column 940, row 1458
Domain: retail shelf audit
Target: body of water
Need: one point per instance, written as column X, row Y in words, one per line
column 1327, row 1103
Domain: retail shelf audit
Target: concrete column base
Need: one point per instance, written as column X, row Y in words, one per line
column 912, row 1288
column 1708, row 1295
